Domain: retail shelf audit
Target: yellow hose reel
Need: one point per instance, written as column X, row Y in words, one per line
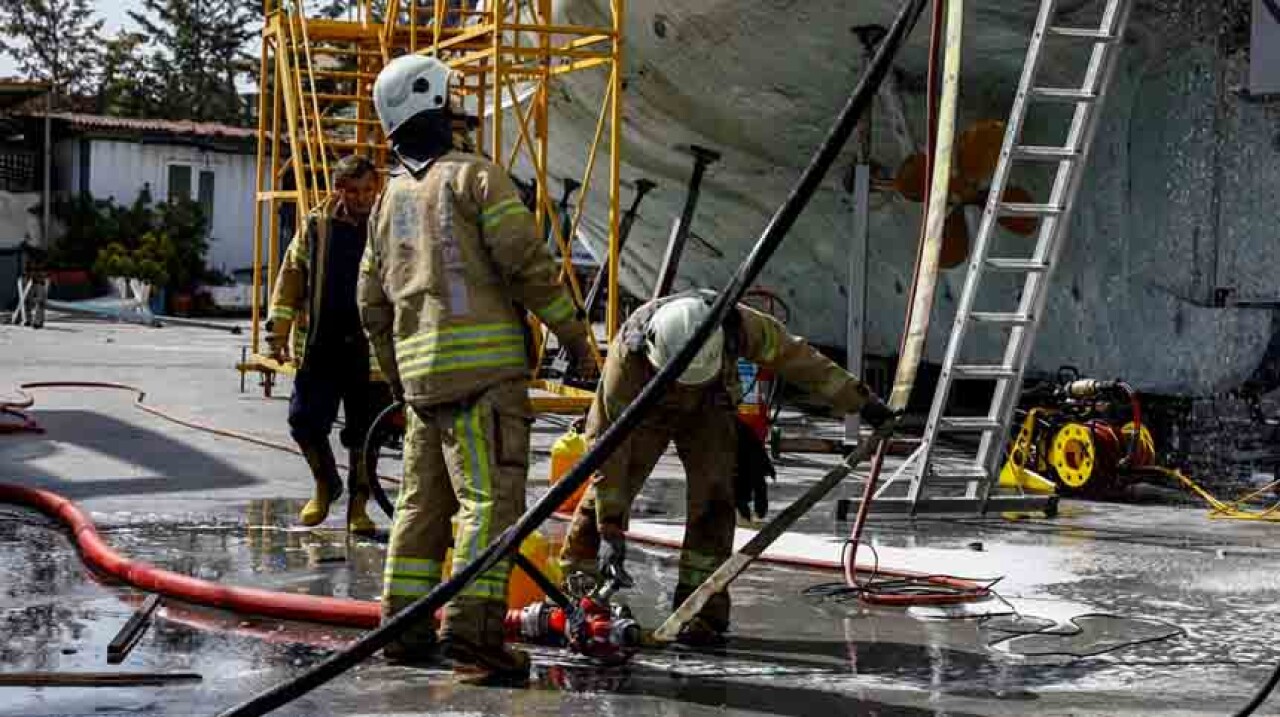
column 1081, row 452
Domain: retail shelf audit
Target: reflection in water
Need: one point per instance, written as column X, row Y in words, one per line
column 785, row 659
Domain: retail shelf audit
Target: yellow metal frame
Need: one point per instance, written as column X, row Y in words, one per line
column 316, row 105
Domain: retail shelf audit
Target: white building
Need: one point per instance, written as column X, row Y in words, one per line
column 213, row 164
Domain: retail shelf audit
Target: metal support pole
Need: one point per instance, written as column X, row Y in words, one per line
column 571, row 185
column 856, row 315
column 860, row 193
column 48, row 174
column 643, row 187
column 680, row 230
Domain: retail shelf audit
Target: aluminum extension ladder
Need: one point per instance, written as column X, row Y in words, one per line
column 962, row 484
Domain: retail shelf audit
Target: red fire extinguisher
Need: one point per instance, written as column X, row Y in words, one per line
column 757, row 382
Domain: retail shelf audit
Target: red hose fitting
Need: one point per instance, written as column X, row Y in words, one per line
column 595, row 629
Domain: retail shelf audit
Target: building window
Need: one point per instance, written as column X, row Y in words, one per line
column 200, row 191
column 179, row 181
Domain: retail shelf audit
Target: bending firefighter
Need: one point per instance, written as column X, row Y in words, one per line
column 724, row 462
column 315, row 300
column 453, row 261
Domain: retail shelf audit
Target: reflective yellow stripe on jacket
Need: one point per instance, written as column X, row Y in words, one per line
column 560, row 310
column 461, row 348
column 494, row 214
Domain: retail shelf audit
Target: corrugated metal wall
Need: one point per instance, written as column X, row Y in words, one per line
column 120, row 170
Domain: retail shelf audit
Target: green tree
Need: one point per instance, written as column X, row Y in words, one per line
column 185, row 230
column 54, row 41
column 128, row 86
column 200, row 52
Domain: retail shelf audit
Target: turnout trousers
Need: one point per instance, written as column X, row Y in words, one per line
column 701, row 424
column 468, row 459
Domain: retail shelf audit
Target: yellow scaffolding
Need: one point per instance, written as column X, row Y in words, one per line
column 316, row 105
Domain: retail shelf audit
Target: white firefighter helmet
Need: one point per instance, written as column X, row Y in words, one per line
column 671, row 327
column 408, row 86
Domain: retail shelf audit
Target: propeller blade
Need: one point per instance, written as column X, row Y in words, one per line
column 978, row 151
column 955, row 239
column 910, row 180
column 1023, row 226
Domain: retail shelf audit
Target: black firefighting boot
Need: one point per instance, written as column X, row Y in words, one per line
column 472, row 639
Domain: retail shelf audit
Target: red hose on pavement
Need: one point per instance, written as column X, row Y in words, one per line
column 916, row 595
column 293, row 606
column 144, row 576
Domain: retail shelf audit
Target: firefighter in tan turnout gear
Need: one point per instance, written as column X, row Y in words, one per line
column 724, row 462
column 453, row 262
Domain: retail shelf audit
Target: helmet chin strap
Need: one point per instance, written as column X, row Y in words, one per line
column 423, row 139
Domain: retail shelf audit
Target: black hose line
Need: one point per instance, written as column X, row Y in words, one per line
column 369, row 459
column 1262, row 694
column 511, row 538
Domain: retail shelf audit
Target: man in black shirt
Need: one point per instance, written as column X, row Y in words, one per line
column 315, row 299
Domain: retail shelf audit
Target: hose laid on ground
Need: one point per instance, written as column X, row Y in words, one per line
column 1222, row 509
column 27, row 400
column 346, row 612
column 923, row 287
column 511, row 538
column 144, row 576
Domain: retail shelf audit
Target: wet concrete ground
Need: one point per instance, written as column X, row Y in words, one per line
column 1111, row 609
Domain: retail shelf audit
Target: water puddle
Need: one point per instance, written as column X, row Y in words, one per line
column 786, row 653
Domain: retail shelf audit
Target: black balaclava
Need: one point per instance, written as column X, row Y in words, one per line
column 424, row 138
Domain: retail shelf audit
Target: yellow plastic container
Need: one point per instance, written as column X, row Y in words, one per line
column 521, row 590
column 565, row 453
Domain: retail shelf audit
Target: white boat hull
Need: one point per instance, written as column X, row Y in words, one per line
column 1182, row 197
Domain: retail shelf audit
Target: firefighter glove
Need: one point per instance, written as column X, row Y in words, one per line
column 750, row 489
column 612, row 557
column 279, row 346
column 582, row 364
column 876, row 413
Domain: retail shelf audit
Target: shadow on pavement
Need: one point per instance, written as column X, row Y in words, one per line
column 166, row 464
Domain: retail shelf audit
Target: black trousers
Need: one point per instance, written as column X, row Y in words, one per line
column 333, row 375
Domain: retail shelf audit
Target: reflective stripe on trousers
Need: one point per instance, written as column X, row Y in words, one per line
column 472, row 429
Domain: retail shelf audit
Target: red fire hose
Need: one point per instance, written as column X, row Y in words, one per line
column 253, row 601
column 283, row 605
column 144, row 576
